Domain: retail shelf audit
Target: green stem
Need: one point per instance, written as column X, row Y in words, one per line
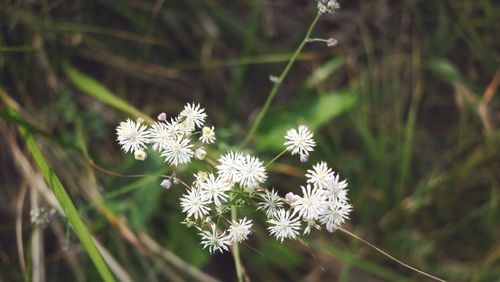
column 275, row 158
column 236, row 250
column 278, row 83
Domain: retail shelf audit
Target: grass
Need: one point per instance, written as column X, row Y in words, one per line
column 404, row 107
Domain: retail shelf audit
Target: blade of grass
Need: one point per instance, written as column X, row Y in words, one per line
column 60, row 193
column 92, row 87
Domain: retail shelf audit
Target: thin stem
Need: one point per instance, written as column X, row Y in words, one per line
column 278, row 83
column 388, row 255
column 275, row 158
column 236, row 250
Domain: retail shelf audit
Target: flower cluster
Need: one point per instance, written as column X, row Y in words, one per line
column 236, row 180
column 327, row 6
column 171, row 138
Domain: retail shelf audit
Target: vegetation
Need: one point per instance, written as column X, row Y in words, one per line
column 404, row 107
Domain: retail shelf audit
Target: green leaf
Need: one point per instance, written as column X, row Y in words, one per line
column 314, row 113
column 63, row 198
column 446, row 70
column 325, row 71
column 94, row 88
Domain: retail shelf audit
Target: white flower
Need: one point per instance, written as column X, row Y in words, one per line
column 195, row 204
column 161, row 133
column 178, row 151
column 214, row 241
column 140, row 155
column 193, row 114
column 215, row 189
column 300, row 141
column 318, row 175
column 271, row 202
column 335, row 214
column 208, row 135
column 132, row 136
column 327, row 6
column 336, row 189
column 284, row 226
column 239, row 230
column 312, row 204
column 199, row 178
column 229, row 165
column 251, row 172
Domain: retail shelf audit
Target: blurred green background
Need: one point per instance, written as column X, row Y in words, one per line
column 405, row 107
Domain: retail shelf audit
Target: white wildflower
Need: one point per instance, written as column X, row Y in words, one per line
column 161, row 133
column 318, row 175
column 239, row 230
column 215, row 241
column 229, row 165
column 300, row 141
column 193, row 114
column 215, row 189
column 271, row 203
column 208, row 135
column 284, row 225
column 335, row 214
column 178, row 151
column 132, row 136
column 251, row 172
column 312, row 204
column 336, row 189
column 195, row 204
column 310, row 225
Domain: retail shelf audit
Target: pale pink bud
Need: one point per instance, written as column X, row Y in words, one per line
column 331, row 42
column 166, row 183
column 331, row 228
column 304, row 158
column 162, row 117
column 289, row 197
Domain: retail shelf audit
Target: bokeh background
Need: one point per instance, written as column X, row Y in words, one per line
column 405, row 107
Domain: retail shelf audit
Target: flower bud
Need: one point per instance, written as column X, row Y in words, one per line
column 162, row 117
column 289, row 198
column 331, row 228
column 331, row 42
column 200, row 153
column 304, row 158
column 140, row 155
column 166, row 183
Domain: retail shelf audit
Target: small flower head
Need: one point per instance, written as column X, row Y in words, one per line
column 132, row 136
column 271, row 203
column 300, row 141
column 335, row 214
column 327, row 6
column 284, row 225
column 166, row 183
column 161, row 133
column 239, row 230
column 193, row 115
column 312, row 204
column 336, row 190
column 215, row 189
column 140, row 155
column 229, row 165
column 290, row 198
column 41, row 216
column 215, row 241
column 318, row 176
column 194, row 204
column 251, row 172
column 178, row 151
column 208, row 135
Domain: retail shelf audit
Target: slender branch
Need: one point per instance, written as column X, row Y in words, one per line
column 236, row 250
column 388, row 255
column 275, row 158
column 278, row 83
